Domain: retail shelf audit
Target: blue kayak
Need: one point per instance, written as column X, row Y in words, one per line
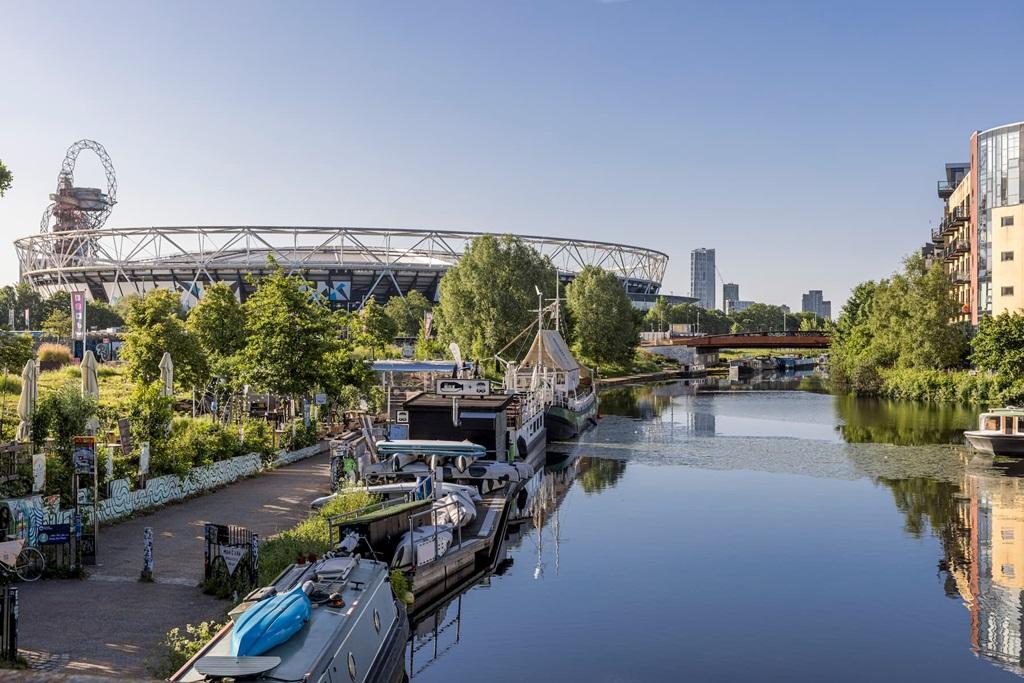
column 270, row 622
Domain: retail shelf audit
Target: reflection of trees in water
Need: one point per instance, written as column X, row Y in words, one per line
column 598, row 474
column 938, row 505
column 644, row 401
column 903, row 423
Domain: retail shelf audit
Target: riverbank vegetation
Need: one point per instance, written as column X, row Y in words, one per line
column 894, row 339
column 755, row 318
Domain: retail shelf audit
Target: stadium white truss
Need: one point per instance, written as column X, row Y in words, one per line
column 348, row 264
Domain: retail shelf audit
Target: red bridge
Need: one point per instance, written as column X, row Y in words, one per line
column 749, row 340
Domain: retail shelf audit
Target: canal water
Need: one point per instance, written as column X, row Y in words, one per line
column 736, row 534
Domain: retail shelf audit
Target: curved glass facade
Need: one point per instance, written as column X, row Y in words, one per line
column 999, row 185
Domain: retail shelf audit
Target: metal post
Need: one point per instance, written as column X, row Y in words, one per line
column 254, row 556
column 147, row 554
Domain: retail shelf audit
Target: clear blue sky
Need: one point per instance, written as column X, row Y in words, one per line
column 801, row 140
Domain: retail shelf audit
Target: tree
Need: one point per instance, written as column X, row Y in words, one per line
column 375, row 328
column 102, row 316
column 406, row 313
column 899, row 322
column 218, row 323
column 657, row 318
column 154, row 327
column 15, row 351
column 288, row 337
column 999, row 344
column 762, row 318
column 488, row 296
column 604, row 326
column 58, row 324
column 6, row 178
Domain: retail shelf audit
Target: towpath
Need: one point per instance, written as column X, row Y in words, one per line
column 109, row 623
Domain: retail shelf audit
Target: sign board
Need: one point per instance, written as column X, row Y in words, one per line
column 84, row 455
column 124, row 430
column 54, row 534
column 320, row 399
column 462, row 387
column 402, row 417
column 78, row 315
column 144, row 458
column 232, row 555
column 88, row 548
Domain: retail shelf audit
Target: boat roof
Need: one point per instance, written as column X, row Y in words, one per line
column 430, row 400
column 1007, row 410
column 326, row 628
column 446, row 366
column 429, row 445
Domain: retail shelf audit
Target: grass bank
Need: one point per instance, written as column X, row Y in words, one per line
column 943, row 386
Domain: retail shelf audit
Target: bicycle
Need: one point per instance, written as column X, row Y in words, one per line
column 27, row 563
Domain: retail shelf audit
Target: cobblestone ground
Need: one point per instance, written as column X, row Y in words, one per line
column 109, row 623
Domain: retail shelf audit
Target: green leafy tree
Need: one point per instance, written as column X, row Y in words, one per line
column 406, row 313
column 899, row 322
column 61, row 414
column 58, row 324
column 604, row 326
column 218, row 323
column 762, row 318
column 375, row 328
column 19, row 298
column 488, row 296
column 288, row 337
column 658, row 317
column 999, row 344
column 154, row 327
column 15, row 351
column 6, row 179
column 102, row 316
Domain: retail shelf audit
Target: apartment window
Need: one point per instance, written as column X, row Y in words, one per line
column 1006, row 256
column 1006, row 291
column 1005, row 221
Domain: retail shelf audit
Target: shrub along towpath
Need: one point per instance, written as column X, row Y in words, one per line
column 109, row 623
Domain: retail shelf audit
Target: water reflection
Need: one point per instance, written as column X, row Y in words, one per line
column 985, row 561
column 438, row 630
column 903, row 423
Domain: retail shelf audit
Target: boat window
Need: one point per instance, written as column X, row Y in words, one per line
column 1008, row 425
column 351, row 666
column 992, row 423
column 376, row 620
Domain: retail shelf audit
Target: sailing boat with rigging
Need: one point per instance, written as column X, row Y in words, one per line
column 550, row 370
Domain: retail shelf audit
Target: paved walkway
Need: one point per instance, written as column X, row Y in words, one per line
column 109, row 623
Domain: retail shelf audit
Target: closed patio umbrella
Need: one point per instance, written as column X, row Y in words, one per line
column 90, row 386
column 167, row 374
column 27, row 402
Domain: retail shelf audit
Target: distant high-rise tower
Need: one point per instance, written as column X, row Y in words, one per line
column 702, row 277
column 730, row 292
column 813, row 302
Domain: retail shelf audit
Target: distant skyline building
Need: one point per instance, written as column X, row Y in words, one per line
column 730, row 292
column 814, row 302
column 735, row 305
column 702, row 277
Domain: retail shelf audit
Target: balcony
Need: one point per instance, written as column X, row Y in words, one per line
column 955, row 249
column 937, row 237
column 960, row 278
column 945, row 189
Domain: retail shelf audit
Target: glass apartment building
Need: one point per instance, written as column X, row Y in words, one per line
column 702, row 277
column 980, row 238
